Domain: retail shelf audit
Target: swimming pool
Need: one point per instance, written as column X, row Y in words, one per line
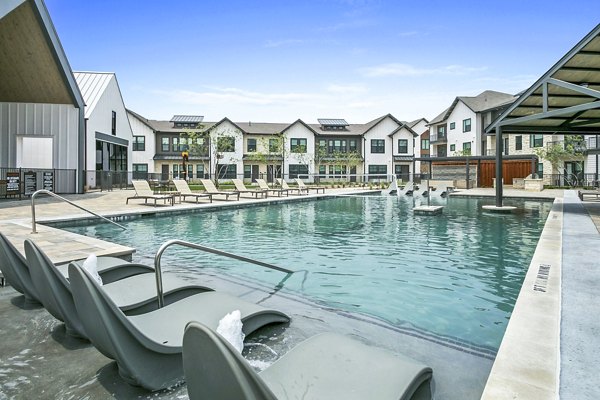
column 455, row 276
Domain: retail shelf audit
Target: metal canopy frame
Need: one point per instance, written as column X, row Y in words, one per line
column 565, row 100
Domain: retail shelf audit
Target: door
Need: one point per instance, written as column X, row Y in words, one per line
column 573, row 173
column 403, row 172
column 442, row 151
column 353, row 174
column 164, row 172
column 254, row 172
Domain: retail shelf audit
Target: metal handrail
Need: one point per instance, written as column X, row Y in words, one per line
column 49, row 193
column 163, row 247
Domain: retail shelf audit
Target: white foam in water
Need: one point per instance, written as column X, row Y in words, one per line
column 259, row 364
column 230, row 327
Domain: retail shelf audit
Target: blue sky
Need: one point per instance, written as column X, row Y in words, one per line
column 276, row 61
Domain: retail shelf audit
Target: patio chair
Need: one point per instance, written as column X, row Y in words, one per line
column 263, row 185
column 143, row 191
column 326, row 366
column 315, row 188
column 134, row 295
column 285, row 186
column 148, row 347
column 184, row 191
column 210, row 187
column 240, row 187
column 16, row 269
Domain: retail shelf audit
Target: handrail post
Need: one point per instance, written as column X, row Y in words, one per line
column 165, row 245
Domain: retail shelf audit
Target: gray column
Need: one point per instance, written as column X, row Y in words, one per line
column 498, row 167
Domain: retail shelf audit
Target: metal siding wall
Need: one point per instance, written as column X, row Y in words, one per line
column 56, row 120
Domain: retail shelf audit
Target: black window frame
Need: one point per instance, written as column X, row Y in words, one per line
column 452, row 125
column 519, row 142
column 165, row 144
column 452, row 147
column 298, row 171
column 227, row 171
column 377, row 146
column 536, row 140
column 467, row 146
column 405, row 146
column 274, row 146
column 113, row 125
column 425, row 144
column 223, row 147
column 137, row 144
column 466, row 125
column 251, row 145
column 298, row 145
column 377, row 171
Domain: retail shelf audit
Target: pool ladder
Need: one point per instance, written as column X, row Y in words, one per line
column 161, row 250
column 49, row 193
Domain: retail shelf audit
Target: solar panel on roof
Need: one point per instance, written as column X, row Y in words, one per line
column 332, row 122
column 187, row 118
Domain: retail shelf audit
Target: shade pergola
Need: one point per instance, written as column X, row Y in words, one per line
column 565, row 100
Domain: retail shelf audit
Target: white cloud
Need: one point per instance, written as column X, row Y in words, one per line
column 398, row 69
column 346, row 89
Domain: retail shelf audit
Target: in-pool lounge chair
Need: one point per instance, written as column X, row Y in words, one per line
column 303, row 186
column 15, row 268
column 287, row 187
column 147, row 347
column 143, row 191
column 184, row 191
column 210, row 188
column 326, row 366
column 240, row 187
column 134, row 295
column 263, row 185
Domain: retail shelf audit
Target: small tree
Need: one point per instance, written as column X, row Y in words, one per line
column 462, row 153
column 267, row 147
column 556, row 153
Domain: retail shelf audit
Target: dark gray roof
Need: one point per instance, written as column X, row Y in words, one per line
column 332, row 122
column 187, row 119
column 484, row 101
column 440, row 118
column 167, row 126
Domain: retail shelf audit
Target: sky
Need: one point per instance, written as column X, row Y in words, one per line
column 280, row 60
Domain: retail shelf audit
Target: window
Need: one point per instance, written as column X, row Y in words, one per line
column 467, row 148
column 504, row 148
column 175, row 171
column 113, row 128
column 352, row 147
column 519, row 142
column 322, row 170
column 247, row 171
column 452, row 147
column 227, row 171
column 452, row 125
column 322, row 144
column 467, row 125
column 183, row 144
column 251, row 145
column 175, row 144
column 377, row 169
column 298, row 146
column 226, row 144
column 337, row 146
column 540, row 170
column 165, row 144
column 377, row 146
column 536, row 140
column 274, row 146
column 402, row 146
column 337, row 169
column 190, row 171
column 199, row 171
column 298, row 170
column 201, row 145
column 424, row 144
column 441, row 130
column 140, row 171
column 139, row 143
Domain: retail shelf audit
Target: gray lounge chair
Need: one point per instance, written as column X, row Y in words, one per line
column 143, row 191
column 147, row 347
column 264, row 186
column 326, row 366
column 16, row 269
column 240, row 187
column 210, row 188
column 134, row 295
column 301, row 184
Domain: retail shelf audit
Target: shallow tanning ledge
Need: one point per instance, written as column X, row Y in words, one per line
column 428, row 210
column 501, row 209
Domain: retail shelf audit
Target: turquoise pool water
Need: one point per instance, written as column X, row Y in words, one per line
column 455, row 276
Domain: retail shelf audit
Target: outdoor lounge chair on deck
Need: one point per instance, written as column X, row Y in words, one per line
column 134, row 295
column 210, row 188
column 326, row 366
column 143, row 191
column 263, row 185
column 285, row 186
column 147, row 347
column 302, row 185
column 240, row 187
column 184, row 190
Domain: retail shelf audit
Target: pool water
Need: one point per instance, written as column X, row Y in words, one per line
column 455, row 276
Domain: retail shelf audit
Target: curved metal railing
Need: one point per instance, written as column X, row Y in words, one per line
column 164, row 246
column 49, row 193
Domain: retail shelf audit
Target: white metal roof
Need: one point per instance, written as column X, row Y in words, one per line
column 92, row 85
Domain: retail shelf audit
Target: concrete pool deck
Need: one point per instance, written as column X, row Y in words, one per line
column 536, row 374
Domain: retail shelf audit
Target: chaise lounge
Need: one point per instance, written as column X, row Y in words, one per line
column 240, row 187
column 134, row 294
column 326, row 366
column 303, row 186
column 148, row 347
column 210, row 188
column 143, row 191
column 263, row 185
column 184, row 191
column 285, row 186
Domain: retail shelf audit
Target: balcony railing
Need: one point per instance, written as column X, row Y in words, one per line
column 579, row 146
column 438, row 137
